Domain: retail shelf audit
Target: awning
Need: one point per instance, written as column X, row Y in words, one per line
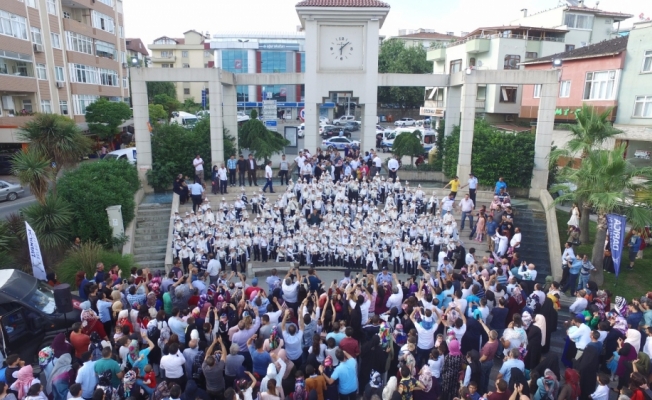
column 511, row 128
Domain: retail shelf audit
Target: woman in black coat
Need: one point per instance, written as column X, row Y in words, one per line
column 550, row 314
column 588, row 365
column 372, row 357
column 534, row 347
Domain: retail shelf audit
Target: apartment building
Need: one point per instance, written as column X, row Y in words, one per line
column 186, row 52
column 136, row 49
column 58, row 56
column 425, row 37
column 585, row 25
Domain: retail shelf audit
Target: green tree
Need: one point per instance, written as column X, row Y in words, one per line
column 104, row 117
column 590, row 131
column 170, row 104
column 34, row 169
column 51, row 221
column 93, row 187
column 260, row 141
column 58, row 138
column 157, row 113
column 408, row 144
column 156, row 88
column 606, row 180
column 395, row 57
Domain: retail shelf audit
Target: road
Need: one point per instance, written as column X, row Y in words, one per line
column 10, row 207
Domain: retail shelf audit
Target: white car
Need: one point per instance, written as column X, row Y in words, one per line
column 242, row 116
column 405, row 122
column 338, row 143
column 344, row 119
column 323, row 121
column 302, row 130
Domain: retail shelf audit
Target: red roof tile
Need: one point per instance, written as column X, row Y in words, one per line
column 343, row 3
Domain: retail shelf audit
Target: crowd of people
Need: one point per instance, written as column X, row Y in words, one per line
column 205, row 331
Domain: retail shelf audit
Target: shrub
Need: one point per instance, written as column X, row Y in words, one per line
column 93, row 187
column 86, row 257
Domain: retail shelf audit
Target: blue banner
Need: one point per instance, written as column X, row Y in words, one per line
column 616, row 231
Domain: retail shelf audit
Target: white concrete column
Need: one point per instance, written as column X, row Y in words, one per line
column 230, row 111
column 217, row 142
column 543, row 141
column 368, row 129
column 143, row 138
column 453, row 100
column 469, row 94
column 311, row 140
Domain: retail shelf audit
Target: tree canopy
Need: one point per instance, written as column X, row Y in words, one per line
column 408, row 144
column 104, row 117
column 156, row 88
column 262, row 143
column 157, row 113
column 169, row 103
column 395, row 57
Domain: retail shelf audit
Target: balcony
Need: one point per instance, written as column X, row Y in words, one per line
column 477, row 45
column 14, row 122
column 164, row 59
column 479, row 104
column 438, row 54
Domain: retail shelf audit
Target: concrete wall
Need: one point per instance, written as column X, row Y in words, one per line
column 128, row 247
column 168, row 252
column 554, row 247
column 634, row 82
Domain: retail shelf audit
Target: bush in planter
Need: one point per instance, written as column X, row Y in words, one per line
column 495, row 153
column 86, row 257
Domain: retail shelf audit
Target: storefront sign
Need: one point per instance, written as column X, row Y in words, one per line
column 431, row 112
column 566, row 111
column 278, row 46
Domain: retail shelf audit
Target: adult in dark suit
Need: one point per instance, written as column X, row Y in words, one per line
column 251, row 170
column 242, row 170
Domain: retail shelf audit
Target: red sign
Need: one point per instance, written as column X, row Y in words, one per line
column 238, row 64
column 283, row 92
column 302, row 114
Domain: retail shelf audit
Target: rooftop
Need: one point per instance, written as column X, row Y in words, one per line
column 616, row 15
column 137, row 45
column 489, row 29
column 343, row 3
column 428, row 35
column 604, row 48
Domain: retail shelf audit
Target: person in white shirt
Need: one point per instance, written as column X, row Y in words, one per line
column 376, row 166
column 467, row 206
column 447, row 204
column 580, row 303
column 396, row 298
column 198, row 163
column 602, row 390
column 268, row 178
column 213, row 268
column 223, row 175
column 174, row 364
column 470, row 256
column 393, row 166
column 515, row 242
column 581, row 336
column 472, row 183
column 300, row 160
column 568, row 252
column 425, row 333
column 291, row 289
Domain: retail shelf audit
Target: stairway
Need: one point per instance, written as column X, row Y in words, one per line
column 534, row 245
column 151, row 238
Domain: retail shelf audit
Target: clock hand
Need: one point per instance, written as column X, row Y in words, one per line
column 344, row 45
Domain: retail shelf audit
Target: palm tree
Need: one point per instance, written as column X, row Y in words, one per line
column 58, row 138
column 51, row 220
column 591, row 131
column 33, row 168
column 608, row 182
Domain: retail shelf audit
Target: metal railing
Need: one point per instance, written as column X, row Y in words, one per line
column 440, row 45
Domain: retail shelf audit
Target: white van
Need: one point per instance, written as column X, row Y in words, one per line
column 128, row 154
column 184, row 119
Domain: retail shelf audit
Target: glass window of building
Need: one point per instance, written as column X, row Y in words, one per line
column 455, row 66
column 46, row 107
column 79, row 42
column 512, row 61
column 235, row 61
column 274, row 61
column 643, row 107
column 13, row 25
column 41, row 72
column 647, row 61
column 27, row 105
column 184, row 53
column 52, row 7
column 600, row 85
column 63, row 107
column 56, row 40
column 36, row 35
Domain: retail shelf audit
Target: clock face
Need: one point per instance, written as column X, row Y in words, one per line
column 341, row 47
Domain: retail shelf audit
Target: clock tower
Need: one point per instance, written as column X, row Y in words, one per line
column 342, row 40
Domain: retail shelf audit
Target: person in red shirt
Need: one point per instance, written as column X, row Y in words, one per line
column 253, row 289
column 150, row 377
column 501, row 393
column 79, row 340
column 349, row 344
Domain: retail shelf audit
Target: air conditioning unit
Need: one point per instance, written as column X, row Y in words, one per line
column 509, row 117
column 124, row 65
column 61, row 85
column 38, row 48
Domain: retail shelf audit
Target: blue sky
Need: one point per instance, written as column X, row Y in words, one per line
column 149, row 19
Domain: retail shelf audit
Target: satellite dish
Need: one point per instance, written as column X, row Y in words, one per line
column 479, row 63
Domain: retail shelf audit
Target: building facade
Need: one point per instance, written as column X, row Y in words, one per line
column 424, row 37
column 136, row 49
column 58, row 56
column 186, row 52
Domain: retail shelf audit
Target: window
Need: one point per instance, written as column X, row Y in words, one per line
column 184, row 54
column 167, row 65
column 108, row 77
column 81, row 101
column 564, row 88
column 125, row 83
column 103, row 22
column 508, row 94
column 52, row 7
column 21, row 69
column 455, row 66
column 570, row 47
column 107, row 2
column 104, row 49
column 32, row 3
column 56, row 40
column 80, row 43
column 83, row 74
column 643, row 107
column 235, row 60
column 36, row 35
column 66, row 15
column 59, row 74
column 41, row 72
column 472, row 62
column 123, row 57
column 165, row 41
column 537, row 91
column 122, row 31
column 46, row 107
column 63, row 107
column 512, row 61
column 166, row 54
column 184, row 65
column 27, row 105
column 647, row 61
column 531, row 54
column 579, row 21
column 13, row 25
column 186, row 90
column 208, row 54
column 600, row 85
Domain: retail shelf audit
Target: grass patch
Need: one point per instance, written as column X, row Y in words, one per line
column 631, row 284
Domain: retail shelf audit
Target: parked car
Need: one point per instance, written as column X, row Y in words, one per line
column 128, row 154
column 323, row 121
column 242, row 116
column 335, row 131
column 338, row 143
column 10, row 191
column 405, row 122
column 352, row 126
column 343, row 119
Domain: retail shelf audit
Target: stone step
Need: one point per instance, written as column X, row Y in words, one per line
column 151, row 249
column 150, row 257
column 145, row 243
column 151, row 237
column 151, row 230
column 153, row 264
column 156, row 223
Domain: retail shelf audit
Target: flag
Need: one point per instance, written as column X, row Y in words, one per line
column 616, row 230
column 35, row 253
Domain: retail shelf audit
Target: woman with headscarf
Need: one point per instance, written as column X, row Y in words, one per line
column 430, row 390
column 139, row 358
column 275, row 341
column 451, row 367
column 540, row 322
column 515, row 303
column 571, row 388
column 588, row 364
column 627, row 354
column 331, row 391
column 475, row 335
column 287, row 381
column 127, row 387
column 549, row 361
column 46, row 362
column 534, row 339
column 61, row 378
column 24, row 380
column 374, row 358
column 90, row 321
column 123, row 321
column 61, row 346
column 642, row 364
column 275, row 371
column 633, row 337
column 374, row 387
column 547, row 386
column 549, row 314
column 516, row 378
column 514, row 337
column 473, row 371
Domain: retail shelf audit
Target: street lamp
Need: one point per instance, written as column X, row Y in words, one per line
column 556, row 63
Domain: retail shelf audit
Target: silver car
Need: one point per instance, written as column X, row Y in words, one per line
column 10, row 191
